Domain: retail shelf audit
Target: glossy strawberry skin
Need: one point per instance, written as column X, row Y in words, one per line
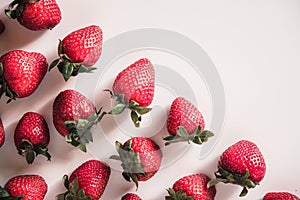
column 183, row 113
column 92, row 177
column 2, row 133
column 130, row 196
column 136, row 82
column 70, row 105
column 280, row 196
column 84, row 45
column 2, row 27
column 241, row 156
column 23, row 71
column 31, row 186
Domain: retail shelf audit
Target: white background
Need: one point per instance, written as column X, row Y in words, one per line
column 255, row 46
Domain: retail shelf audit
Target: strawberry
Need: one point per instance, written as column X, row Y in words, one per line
column 2, row 133
column 88, row 181
column 130, row 196
column 73, row 116
column 140, row 157
column 133, row 88
column 25, row 187
column 192, row 187
column 32, row 136
column 280, row 196
column 186, row 123
column 35, row 15
column 242, row 164
column 2, row 27
column 78, row 51
column 21, row 73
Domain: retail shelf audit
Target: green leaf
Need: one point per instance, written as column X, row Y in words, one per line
column 135, row 118
column 60, row 48
column 169, row 138
column 141, row 110
column 244, row 192
column 67, row 70
column 181, row 131
column 119, row 108
column 84, row 69
column 54, row 64
column 42, row 151
column 197, row 140
column 115, row 157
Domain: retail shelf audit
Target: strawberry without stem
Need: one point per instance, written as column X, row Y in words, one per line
column 241, row 164
column 35, row 14
column 280, row 196
column 186, row 123
column 78, row 51
column 21, row 73
column 88, row 181
column 130, row 196
column 192, row 187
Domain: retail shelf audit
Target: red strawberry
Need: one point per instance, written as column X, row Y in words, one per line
column 35, row 14
column 241, row 164
column 2, row 27
column 131, row 196
column 88, row 181
column 186, row 123
column 78, row 51
column 21, row 73
column 73, row 116
column 192, row 187
column 2, row 133
column 32, row 136
column 280, row 196
column 140, row 157
column 133, row 88
column 25, row 187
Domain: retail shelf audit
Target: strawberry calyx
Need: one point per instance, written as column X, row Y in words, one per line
column 4, row 195
column 136, row 110
column 66, row 66
column 131, row 162
column 11, row 94
column 73, row 191
column 198, row 137
column 15, row 9
column 225, row 176
column 30, row 151
column 177, row 195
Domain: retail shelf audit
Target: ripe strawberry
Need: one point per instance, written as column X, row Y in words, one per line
column 78, row 51
column 32, row 136
column 2, row 133
column 241, row 164
column 131, row 196
column 140, row 157
column 186, row 123
column 21, row 73
column 192, row 187
column 73, row 116
column 25, row 187
column 88, row 181
column 133, row 88
column 2, row 27
column 280, row 196
column 35, row 15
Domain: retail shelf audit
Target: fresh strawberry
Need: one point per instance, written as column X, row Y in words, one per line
column 2, row 133
column 73, row 116
column 242, row 164
column 133, row 88
column 2, row 27
column 88, row 181
column 280, row 196
column 186, row 123
column 130, row 196
column 32, row 136
column 21, row 73
column 192, row 187
column 78, row 51
column 35, row 14
column 25, row 187
column 140, row 157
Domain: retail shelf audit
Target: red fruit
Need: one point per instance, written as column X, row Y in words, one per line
column 280, row 196
column 2, row 27
column 89, row 179
column 29, row 186
column 21, row 73
column 35, row 14
column 192, row 187
column 78, row 51
column 241, row 164
column 186, row 123
column 32, row 136
column 2, row 133
column 140, row 157
column 131, row 196
column 134, row 88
